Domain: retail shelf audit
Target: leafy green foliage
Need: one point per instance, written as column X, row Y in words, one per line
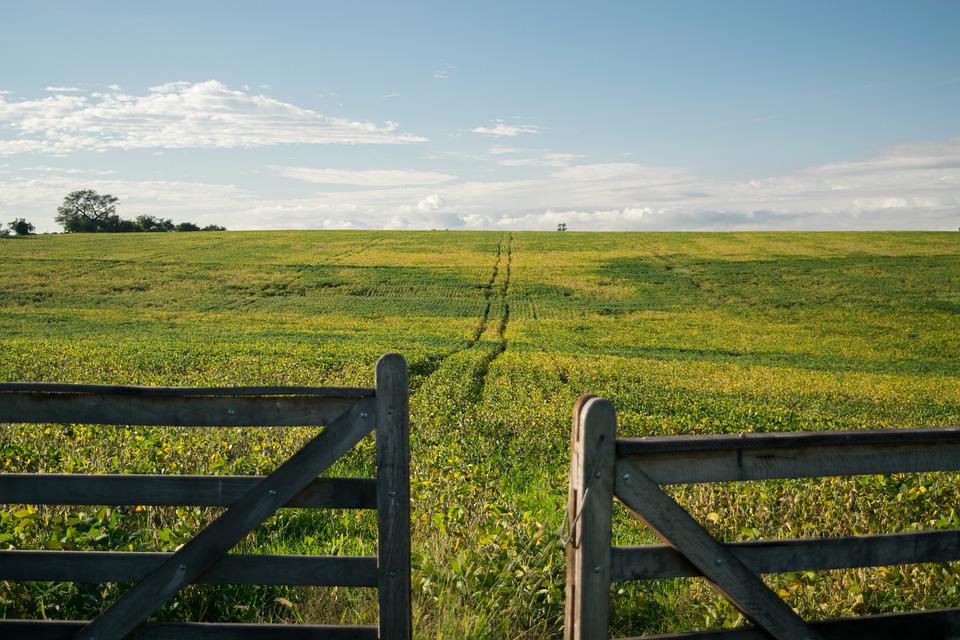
column 21, row 227
column 685, row 333
column 87, row 211
column 152, row 224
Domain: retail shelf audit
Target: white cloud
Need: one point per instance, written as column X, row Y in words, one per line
column 907, row 187
column 368, row 178
column 70, row 172
column 431, row 203
column 546, row 160
column 64, row 89
column 177, row 115
column 497, row 150
column 501, row 129
column 443, row 72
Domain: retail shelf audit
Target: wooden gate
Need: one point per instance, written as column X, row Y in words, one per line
column 347, row 414
column 633, row 469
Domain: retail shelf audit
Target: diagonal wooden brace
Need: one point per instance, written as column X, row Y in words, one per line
column 208, row 546
column 728, row 575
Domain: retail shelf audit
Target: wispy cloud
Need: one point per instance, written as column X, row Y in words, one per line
column 64, row 89
column 70, row 172
column 545, row 160
column 178, row 115
column 443, row 72
column 367, row 178
column 904, row 187
column 910, row 187
column 501, row 129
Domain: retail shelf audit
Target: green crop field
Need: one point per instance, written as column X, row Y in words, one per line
column 685, row 333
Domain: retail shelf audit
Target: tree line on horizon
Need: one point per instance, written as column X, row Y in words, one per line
column 87, row 211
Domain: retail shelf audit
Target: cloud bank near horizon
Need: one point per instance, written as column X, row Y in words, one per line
column 906, row 187
column 911, row 186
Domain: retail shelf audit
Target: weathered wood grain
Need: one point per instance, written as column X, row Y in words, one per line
column 160, row 490
column 694, row 459
column 786, row 440
column 261, row 502
column 591, row 522
column 393, row 497
column 144, row 391
column 55, row 630
column 943, row 624
column 172, row 410
column 115, row 566
column 780, row 556
column 728, row 575
column 573, row 502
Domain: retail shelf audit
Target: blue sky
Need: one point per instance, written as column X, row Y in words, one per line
column 603, row 115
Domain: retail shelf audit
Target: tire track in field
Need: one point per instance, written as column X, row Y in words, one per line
column 487, row 299
column 428, row 367
column 479, row 383
column 338, row 258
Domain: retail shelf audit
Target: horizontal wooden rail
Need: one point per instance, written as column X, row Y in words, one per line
column 348, row 414
column 190, row 392
column 781, row 440
column 159, row 490
column 769, row 456
column 115, row 566
column 918, row 625
column 172, row 410
column 640, row 466
column 781, row 556
column 46, row 630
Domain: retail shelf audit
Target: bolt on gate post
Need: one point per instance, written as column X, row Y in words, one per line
column 589, row 517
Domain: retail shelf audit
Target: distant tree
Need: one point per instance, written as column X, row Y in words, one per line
column 562, row 226
column 21, row 227
column 151, row 224
column 88, row 211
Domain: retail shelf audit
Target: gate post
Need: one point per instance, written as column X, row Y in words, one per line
column 589, row 514
column 393, row 497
